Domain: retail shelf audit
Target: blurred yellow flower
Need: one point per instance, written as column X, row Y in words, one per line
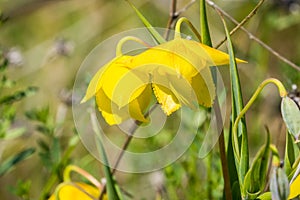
column 295, row 188
column 177, row 72
column 76, row 191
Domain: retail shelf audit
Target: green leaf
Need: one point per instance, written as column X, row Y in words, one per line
column 233, row 176
column 291, row 116
column 204, row 24
column 159, row 39
column 265, row 196
column 41, row 115
column 112, row 193
column 289, row 157
column 240, row 141
column 255, row 179
column 279, row 185
column 19, row 95
column 15, row 159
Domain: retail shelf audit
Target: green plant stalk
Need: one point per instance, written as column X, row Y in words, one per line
column 204, row 24
column 48, row 186
column 241, row 164
column 207, row 40
column 238, row 154
column 110, row 183
column 282, row 93
column 178, row 28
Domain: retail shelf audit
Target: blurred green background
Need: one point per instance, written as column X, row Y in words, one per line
column 46, row 41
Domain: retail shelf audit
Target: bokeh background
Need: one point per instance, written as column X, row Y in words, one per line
column 45, row 42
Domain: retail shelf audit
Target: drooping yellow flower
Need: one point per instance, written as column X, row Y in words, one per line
column 180, row 69
column 76, row 191
column 177, row 72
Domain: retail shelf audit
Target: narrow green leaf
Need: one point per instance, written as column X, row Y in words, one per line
column 230, row 168
column 110, row 183
column 289, row 156
column 279, row 185
column 255, row 179
column 15, row 159
column 240, row 145
column 159, row 39
column 204, row 24
column 291, row 116
column 19, row 95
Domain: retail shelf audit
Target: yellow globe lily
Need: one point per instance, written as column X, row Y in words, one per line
column 177, row 72
column 76, row 191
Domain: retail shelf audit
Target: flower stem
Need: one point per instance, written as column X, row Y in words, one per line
column 82, row 172
column 178, row 27
column 129, row 38
column 282, row 93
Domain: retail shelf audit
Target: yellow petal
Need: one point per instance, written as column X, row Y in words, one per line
column 115, row 118
column 138, row 107
column 166, row 99
column 113, row 114
column 96, row 83
column 160, row 56
column 204, row 88
column 219, row 57
column 71, row 192
column 103, row 102
column 121, row 84
column 295, row 188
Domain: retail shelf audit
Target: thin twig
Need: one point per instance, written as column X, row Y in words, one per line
column 252, row 37
column 185, row 7
column 244, row 21
column 172, row 18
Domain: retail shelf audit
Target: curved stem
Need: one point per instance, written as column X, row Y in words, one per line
column 129, row 38
column 282, row 93
column 70, row 168
column 178, row 27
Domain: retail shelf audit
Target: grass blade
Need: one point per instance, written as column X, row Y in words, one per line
column 229, row 179
column 15, row 159
column 110, row 183
column 240, row 141
column 159, row 39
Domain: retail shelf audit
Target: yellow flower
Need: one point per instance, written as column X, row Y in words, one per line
column 120, row 93
column 294, row 188
column 76, row 191
column 177, row 72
